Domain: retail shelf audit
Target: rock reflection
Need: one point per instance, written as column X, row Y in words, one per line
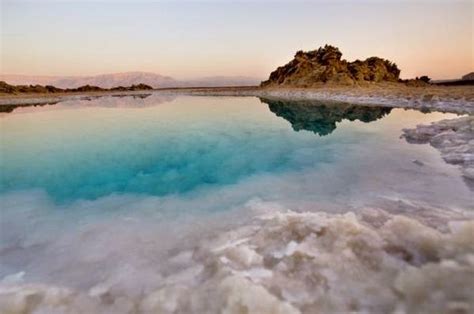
column 108, row 101
column 11, row 108
column 320, row 117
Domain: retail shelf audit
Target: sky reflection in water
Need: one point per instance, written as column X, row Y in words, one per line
column 158, row 146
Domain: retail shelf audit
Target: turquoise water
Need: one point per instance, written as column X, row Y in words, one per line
column 112, row 188
column 90, row 152
column 150, row 146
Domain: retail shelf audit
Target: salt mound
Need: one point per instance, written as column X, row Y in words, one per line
column 454, row 138
column 295, row 263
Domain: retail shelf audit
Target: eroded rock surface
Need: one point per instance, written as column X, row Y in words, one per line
column 8, row 89
column 325, row 65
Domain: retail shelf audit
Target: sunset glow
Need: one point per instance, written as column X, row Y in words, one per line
column 193, row 39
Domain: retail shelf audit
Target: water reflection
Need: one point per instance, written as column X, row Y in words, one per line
column 320, row 117
column 11, row 108
column 109, row 101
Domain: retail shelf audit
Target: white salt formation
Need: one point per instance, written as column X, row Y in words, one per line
column 293, row 263
column 454, row 138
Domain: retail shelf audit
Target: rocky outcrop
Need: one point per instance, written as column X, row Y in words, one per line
column 6, row 88
column 320, row 117
column 415, row 83
column 468, row 77
column 132, row 87
column 324, row 65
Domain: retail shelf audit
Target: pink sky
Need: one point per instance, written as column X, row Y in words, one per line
column 192, row 39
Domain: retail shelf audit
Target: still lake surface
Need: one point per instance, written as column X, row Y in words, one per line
column 138, row 173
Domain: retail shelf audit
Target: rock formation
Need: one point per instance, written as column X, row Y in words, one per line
column 468, row 77
column 6, row 88
column 320, row 117
column 325, row 65
column 132, row 87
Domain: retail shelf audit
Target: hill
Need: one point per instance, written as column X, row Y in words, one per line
column 325, row 66
column 9, row 89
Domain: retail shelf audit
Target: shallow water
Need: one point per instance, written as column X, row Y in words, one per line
column 119, row 188
column 86, row 150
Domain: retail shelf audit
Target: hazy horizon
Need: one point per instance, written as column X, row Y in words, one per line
column 126, row 72
column 186, row 40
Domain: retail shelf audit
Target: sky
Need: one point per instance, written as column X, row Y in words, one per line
column 189, row 39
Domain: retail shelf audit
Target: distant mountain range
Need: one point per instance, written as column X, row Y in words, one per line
column 127, row 79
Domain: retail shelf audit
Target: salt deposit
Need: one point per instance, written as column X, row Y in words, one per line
column 288, row 262
column 456, row 100
column 454, row 138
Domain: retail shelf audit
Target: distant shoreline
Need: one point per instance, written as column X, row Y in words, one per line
column 456, row 99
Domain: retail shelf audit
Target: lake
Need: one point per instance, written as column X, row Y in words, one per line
column 114, row 189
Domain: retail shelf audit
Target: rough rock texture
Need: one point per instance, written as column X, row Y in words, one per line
column 289, row 262
column 12, row 89
column 453, row 138
column 320, row 117
column 326, row 66
column 416, row 82
column 132, row 87
column 469, row 76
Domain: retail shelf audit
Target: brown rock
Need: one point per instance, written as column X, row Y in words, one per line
column 6, row 88
column 325, row 66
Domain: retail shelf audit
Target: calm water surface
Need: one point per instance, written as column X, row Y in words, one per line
column 120, row 164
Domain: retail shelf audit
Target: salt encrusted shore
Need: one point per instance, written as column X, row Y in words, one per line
column 40, row 99
column 454, row 138
column 288, row 262
column 458, row 99
column 446, row 99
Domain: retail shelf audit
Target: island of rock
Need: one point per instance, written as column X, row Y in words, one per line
column 325, row 66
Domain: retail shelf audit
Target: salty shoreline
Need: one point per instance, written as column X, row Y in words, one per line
column 446, row 99
column 456, row 99
column 454, row 139
column 40, row 99
column 289, row 262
